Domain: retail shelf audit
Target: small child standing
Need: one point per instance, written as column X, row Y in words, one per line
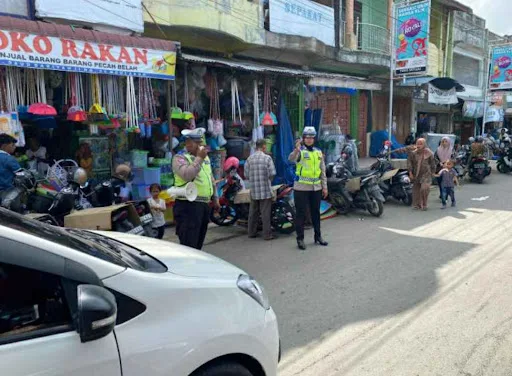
column 448, row 177
column 157, row 206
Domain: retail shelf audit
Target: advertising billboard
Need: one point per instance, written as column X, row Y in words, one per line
column 501, row 68
column 412, row 24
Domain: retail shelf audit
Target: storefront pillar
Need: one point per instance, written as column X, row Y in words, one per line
column 349, row 24
column 354, row 116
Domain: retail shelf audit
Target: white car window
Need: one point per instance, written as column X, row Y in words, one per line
column 32, row 304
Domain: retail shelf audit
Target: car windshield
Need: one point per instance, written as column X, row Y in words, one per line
column 93, row 244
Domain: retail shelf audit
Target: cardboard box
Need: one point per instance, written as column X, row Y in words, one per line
column 244, row 196
column 101, row 218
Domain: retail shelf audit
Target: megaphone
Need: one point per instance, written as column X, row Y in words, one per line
column 188, row 191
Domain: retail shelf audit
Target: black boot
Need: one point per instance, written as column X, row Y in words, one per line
column 301, row 245
column 319, row 240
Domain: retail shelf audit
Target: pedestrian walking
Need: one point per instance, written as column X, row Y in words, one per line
column 157, row 206
column 421, row 165
column 260, row 170
column 193, row 165
column 310, row 185
column 448, row 178
column 444, row 153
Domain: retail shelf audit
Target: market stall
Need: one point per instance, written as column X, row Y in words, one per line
column 95, row 98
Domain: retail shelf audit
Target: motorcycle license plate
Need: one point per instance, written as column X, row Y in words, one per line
column 136, row 231
column 145, row 219
column 479, row 165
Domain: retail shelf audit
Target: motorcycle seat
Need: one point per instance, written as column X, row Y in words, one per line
column 364, row 172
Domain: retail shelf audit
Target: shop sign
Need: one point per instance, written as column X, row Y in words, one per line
column 438, row 96
column 302, row 17
column 473, row 109
column 411, row 37
column 501, row 68
column 125, row 14
column 43, row 52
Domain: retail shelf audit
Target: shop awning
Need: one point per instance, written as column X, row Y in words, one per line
column 316, row 78
column 41, row 45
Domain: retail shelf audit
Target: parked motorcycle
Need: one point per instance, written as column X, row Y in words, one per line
column 504, row 163
column 235, row 201
column 393, row 182
column 354, row 190
column 108, row 193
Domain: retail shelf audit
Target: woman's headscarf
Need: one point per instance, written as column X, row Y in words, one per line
column 444, row 153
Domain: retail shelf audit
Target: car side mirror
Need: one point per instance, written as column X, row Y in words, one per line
column 97, row 312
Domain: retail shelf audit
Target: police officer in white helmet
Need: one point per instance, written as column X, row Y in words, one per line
column 310, row 184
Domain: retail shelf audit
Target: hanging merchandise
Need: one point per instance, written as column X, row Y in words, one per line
column 12, row 98
column 147, row 106
column 215, row 124
column 257, row 130
column 96, row 111
column 132, row 115
column 187, row 114
column 267, row 117
column 236, row 112
column 176, row 112
column 73, row 94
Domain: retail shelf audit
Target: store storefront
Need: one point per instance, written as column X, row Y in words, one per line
column 94, row 98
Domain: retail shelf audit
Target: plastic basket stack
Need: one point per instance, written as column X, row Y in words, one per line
column 166, row 175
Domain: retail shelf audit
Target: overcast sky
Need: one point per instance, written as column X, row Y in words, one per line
column 496, row 13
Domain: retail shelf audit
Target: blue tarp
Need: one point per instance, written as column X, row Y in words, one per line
column 377, row 143
column 285, row 144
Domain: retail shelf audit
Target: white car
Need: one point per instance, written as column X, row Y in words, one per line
column 74, row 302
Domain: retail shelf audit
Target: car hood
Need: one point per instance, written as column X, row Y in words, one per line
column 179, row 259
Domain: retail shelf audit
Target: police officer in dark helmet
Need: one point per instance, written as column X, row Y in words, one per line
column 193, row 165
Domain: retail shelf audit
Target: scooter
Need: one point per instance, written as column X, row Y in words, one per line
column 234, row 205
column 354, row 190
column 393, row 182
column 107, row 193
column 479, row 169
column 504, row 163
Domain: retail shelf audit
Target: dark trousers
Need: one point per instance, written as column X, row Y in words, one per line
column 263, row 208
column 161, row 232
column 439, row 179
column 304, row 200
column 448, row 191
column 192, row 220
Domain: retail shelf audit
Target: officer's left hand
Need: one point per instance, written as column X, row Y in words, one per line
column 216, row 205
column 324, row 193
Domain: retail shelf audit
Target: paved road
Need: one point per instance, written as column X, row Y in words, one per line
column 411, row 293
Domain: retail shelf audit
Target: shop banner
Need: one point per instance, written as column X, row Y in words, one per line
column 125, row 14
column 42, row 52
column 411, row 37
column 501, row 68
column 494, row 114
column 302, row 17
column 473, row 109
column 438, row 96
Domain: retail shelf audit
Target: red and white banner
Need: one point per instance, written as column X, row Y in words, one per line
column 52, row 53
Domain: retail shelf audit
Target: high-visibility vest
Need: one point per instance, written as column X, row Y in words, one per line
column 308, row 169
column 203, row 180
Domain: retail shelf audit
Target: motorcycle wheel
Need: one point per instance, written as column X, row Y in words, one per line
column 376, row 207
column 226, row 216
column 502, row 168
column 407, row 200
column 339, row 203
column 281, row 221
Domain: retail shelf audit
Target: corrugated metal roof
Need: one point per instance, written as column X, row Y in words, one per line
column 66, row 31
column 317, row 78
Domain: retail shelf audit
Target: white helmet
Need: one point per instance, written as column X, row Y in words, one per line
column 471, row 139
column 309, row 131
